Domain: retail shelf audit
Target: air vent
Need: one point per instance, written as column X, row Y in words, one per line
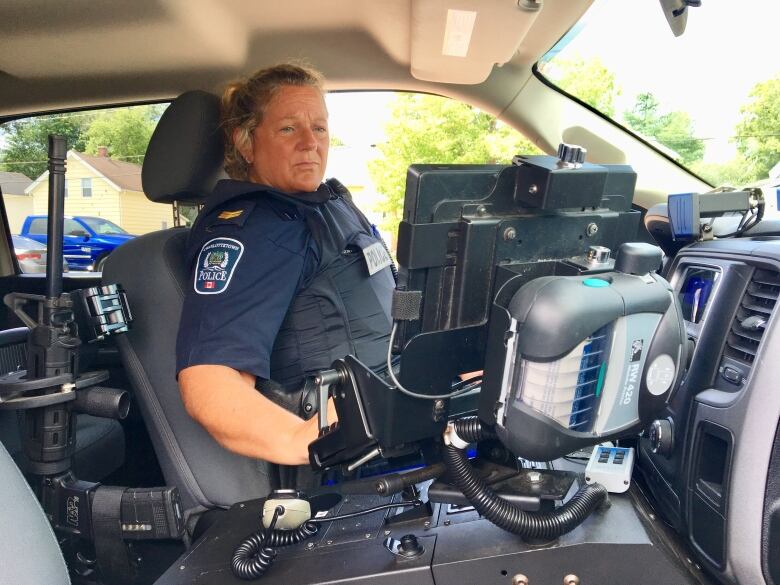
column 13, row 357
column 752, row 316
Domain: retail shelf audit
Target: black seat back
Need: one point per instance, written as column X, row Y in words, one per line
column 183, row 162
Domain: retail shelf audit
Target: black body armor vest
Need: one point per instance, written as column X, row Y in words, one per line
column 343, row 310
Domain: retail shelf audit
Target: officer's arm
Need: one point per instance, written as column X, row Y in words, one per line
column 241, row 419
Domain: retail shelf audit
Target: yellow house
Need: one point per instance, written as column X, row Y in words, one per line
column 100, row 186
column 18, row 205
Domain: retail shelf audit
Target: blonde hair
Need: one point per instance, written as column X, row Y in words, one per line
column 244, row 102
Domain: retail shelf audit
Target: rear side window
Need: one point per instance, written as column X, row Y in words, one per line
column 106, row 148
column 38, row 227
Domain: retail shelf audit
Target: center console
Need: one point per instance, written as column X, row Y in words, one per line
column 451, row 545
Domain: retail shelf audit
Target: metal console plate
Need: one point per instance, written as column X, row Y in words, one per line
column 609, row 548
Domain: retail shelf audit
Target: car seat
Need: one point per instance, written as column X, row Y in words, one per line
column 100, row 442
column 183, row 162
column 29, row 553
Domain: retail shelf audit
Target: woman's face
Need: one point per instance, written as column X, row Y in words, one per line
column 289, row 147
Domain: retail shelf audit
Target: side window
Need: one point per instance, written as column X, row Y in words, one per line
column 106, row 149
column 39, row 226
column 369, row 153
column 73, row 228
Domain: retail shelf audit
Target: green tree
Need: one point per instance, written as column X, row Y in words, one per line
column 27, row 142
column 432, row 129
column 124, row 131
column 737, row 172
column 588, row 80
column 189, row 212
column 673, row 129
column 643, row 117
column 758, row 133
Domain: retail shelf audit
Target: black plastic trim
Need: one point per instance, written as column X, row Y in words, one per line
column 708, row 500
column 770, row 532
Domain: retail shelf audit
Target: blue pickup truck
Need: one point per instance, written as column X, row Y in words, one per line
column 87, row 240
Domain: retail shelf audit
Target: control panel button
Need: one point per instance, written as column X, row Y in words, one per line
column 732, row 375
column 595, row 282
column 611, row 467
column 661, row 436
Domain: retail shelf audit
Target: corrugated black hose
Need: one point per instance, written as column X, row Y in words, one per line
column 505, row 514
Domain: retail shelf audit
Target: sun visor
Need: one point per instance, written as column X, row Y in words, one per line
column 460, row 41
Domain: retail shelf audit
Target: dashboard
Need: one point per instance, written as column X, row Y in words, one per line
column 711, row 462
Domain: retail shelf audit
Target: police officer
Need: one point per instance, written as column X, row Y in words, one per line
column 287, row 274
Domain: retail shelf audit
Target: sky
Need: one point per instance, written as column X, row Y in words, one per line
column 727, row 47
column 358, row 118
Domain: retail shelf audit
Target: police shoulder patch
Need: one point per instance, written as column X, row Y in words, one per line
column 217, row 261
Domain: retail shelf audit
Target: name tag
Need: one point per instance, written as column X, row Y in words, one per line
column 376, row 257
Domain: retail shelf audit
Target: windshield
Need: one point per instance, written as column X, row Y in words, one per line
column 103, row 226
column 709, row 99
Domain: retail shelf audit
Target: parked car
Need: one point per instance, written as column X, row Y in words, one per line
column 32, row 255
column 87, row 240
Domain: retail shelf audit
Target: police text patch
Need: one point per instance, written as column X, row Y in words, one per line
column 217, row 261
column 377, row 257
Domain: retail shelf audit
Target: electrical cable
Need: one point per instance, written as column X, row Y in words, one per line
column 256, row 553
column 751, row 218
column 254, row 556
column 412, row 503
column 467, row 387
column 577, row 460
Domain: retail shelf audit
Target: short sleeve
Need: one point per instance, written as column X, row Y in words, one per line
column 242, row 284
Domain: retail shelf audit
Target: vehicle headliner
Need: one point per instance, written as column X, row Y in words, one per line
column 81, row 54
column 85, row 53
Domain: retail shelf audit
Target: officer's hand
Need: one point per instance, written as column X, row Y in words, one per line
column 311, row 427
column 470, row 375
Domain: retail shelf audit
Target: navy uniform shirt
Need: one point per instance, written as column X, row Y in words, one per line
column 251, row 256
column 284, row 285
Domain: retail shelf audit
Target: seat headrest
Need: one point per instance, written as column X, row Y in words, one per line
column 184, row 159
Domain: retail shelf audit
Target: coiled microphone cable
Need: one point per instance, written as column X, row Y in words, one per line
column 255, row 555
